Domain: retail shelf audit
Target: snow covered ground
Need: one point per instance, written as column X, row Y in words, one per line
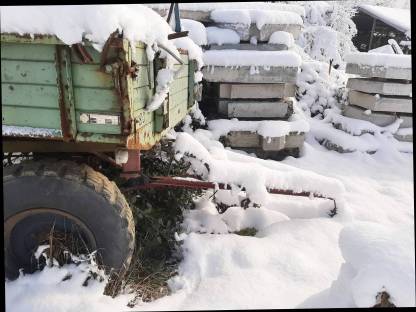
column 300, row 257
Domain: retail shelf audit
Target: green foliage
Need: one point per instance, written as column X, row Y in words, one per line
column 250, row 231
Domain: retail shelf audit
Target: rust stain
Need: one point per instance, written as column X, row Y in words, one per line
column 65, row 121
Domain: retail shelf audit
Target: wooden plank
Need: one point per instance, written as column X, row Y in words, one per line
column 294, row 140
column 381, row 87
column 179, row 85
column 257, row 91
column 31, row 117
column 30, row 52
column 28, row 72
column 86, row 75
column 380, row 103
column 143, row 77
column 96, row 100
column 141, row 96
column 29, row 95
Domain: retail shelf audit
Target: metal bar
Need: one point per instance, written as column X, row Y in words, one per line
column 178, row 35
column 177, row 19
column 372, row 33
column 170, row 12
column 171, row 53
column 164, row 182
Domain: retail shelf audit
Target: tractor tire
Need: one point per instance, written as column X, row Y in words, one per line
column 62, row 197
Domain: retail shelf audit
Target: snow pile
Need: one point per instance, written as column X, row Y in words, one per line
column 251, row 58
column 70, row 23
column 377, row 258
column 77, row 286
column 213, row 165
column 380, row 59
column 206, row 219
column 282, row 37
column 265, row 128
column 30, row 132
column 221, row 36
column 194, row 51
column 387, row 49
column 352, row 135
column 258, row 17
column 197, row 31
column 397, row 18
column 318, row 90
column 357, row 127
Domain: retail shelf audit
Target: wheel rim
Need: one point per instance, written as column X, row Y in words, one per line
column 25, row 231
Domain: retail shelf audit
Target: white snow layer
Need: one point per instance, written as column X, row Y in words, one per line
column 95, row 22
column 282, row 37
column 258, row 17
column 220, row 36
column 30, row 132
column 397, row 18
column 251, row 58
column 379, row 59
column 383, row 49
column 197, row 31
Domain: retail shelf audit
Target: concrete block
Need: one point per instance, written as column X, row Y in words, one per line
column 243, row 139
column 248, row 46
column 381, row 87
column 273, row 144
column 404, row 138
column 262, row 34
column 244, row 74
column 379, row 71
column 257, row 91
column 380, row 103
column 295, row 140
column 255, row 109
column 379, row 119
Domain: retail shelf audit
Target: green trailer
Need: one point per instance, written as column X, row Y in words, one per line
column 82, row 107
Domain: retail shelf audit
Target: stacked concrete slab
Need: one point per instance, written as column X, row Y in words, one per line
column 381, row 95
column 263, row 95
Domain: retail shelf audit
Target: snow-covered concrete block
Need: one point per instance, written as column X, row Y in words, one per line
column 380, row 87
column 256, row 91
column 252, row 140
column 246, row 32
column 380, row 103
column 295, row 140
column 404, row 138
column 242, row 139
column 250, row 74
column 273, row 144
column 379, row 119
column 255, row 109
column 379, row 71
column 249, row 46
